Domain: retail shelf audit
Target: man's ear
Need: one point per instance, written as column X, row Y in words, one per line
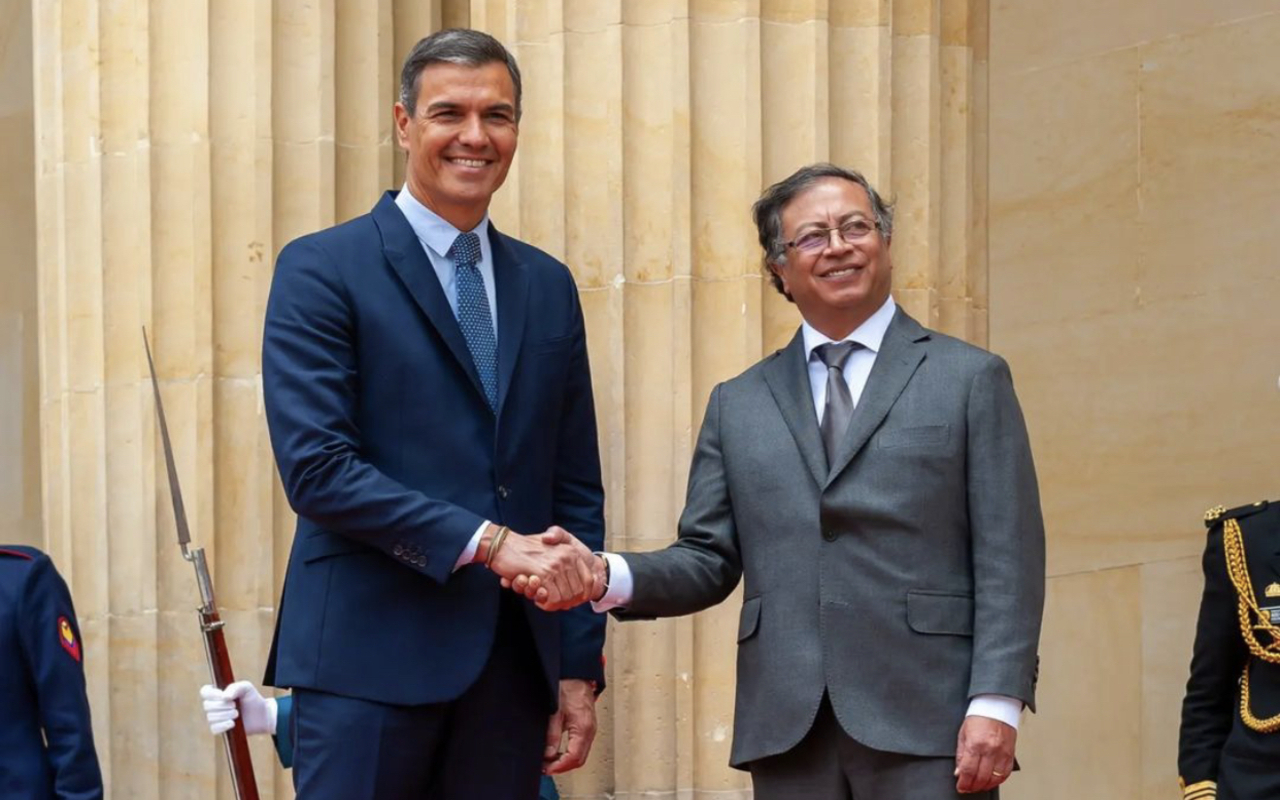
column 777, row 269
column 401, row 119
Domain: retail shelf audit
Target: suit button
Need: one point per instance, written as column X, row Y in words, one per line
column 829, row 535
column 422, row 561
column 503, row 492
column 398, row 550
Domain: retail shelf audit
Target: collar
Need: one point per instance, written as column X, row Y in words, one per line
column 869, row 334
column 432, row 229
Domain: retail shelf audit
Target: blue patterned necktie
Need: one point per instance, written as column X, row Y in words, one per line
column 473, row 313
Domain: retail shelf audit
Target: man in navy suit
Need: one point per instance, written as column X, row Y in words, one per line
column 429, row 402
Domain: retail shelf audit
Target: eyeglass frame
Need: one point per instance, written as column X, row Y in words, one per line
column 874, row 226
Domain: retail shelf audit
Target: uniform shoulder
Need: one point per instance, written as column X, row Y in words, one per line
column 23, row 564
column 19, row 552
column 1220, row 514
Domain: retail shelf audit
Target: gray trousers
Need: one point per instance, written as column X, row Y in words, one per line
column 828, row 764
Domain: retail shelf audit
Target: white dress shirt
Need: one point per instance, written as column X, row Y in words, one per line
column 856, row 370
column 437, row 236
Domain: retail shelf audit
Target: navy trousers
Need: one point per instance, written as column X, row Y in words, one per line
column 485, row 744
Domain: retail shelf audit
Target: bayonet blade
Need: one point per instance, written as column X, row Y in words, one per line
column 175, row 489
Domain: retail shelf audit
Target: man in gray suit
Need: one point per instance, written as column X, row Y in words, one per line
column 872, row 482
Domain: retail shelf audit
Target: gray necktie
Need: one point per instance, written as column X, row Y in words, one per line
column 839, row 407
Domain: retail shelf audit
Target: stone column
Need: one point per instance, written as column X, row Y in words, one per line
column 181, row 143
column 650, row 128
column 20, row 514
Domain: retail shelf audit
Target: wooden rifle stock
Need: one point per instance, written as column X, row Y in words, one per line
column 234, row 741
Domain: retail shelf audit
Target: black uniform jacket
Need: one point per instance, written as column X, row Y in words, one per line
column 1219, row 755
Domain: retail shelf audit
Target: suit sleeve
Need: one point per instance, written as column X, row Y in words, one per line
column 702, row 567
column 1217, row 659
column 310, row 378
column 57, row 668
column 1007, row 539
column 579, row 504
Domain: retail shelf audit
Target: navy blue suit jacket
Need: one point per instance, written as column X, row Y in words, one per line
column 46, row 739
column 391, row 458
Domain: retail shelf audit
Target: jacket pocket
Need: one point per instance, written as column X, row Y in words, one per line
column 555, row 344
column 918, row 436
column 324, row 545
column 940, row 612
column 749, row 621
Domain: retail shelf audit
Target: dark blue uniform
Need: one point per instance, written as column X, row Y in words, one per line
column 46, row 742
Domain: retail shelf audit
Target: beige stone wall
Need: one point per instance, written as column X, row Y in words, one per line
column 1135, row 288
column 181, row 143
column 19, row 375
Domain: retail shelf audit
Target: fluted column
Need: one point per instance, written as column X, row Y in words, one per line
column 649, row 129
column 181, row 143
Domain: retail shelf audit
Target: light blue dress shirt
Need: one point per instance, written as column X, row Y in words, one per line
column 436, row 236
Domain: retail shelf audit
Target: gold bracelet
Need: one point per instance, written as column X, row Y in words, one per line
column 495, row 543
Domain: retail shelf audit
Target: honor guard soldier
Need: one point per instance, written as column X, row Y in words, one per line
column 1229, row 746
column 46, row 742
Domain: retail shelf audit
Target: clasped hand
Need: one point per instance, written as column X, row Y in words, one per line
column 552, row 568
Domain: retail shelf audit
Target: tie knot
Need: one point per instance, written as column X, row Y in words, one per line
column 834, row 354
column 465, row 250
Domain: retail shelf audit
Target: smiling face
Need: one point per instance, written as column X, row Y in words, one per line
column 838, row 287
column 460, row 139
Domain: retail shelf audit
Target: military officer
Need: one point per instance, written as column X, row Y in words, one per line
column 1229, row 746
column 46, row 741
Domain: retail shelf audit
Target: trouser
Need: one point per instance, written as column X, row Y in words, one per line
column 828, row 764
column 487, row 743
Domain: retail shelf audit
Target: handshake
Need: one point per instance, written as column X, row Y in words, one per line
column 551, row 568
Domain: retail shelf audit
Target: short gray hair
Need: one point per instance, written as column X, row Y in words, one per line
column 464, row 46
column 767, row 211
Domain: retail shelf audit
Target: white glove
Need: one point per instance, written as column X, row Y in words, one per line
column 221, row 713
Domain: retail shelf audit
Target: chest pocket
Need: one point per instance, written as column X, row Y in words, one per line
column 918, row 436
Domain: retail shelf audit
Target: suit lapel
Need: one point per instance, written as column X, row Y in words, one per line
column 404, row 253
column 899, row 356
column 787, row 375
column 511, row 279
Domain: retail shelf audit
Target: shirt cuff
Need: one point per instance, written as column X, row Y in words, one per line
column 998, row 707
column 469, row 552
column 620, row 585
column 272, row 714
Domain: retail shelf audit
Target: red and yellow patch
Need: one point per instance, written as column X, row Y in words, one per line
column 67, row 638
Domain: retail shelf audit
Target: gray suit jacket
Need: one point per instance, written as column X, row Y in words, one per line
column 904, row 579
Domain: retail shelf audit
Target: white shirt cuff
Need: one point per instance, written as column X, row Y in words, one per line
column 469, row 552
column 998, row 707
column 620, row 585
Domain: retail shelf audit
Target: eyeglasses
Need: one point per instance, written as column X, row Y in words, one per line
column 817, row 239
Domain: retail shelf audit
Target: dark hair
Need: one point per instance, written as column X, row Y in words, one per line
column 767, row 211
column 454, row 46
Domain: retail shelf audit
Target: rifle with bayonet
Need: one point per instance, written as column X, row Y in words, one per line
column 234, row 741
